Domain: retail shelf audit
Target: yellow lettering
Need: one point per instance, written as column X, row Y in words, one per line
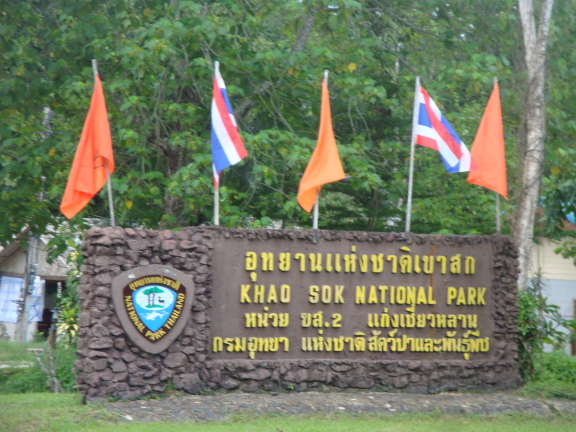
column 360, row 294
column 431, row 300
column 245, row 294
column 267, row 261
column 471, row 296
column 326, row 294
column 382, row 289
column 251, row 261
column 450, row 295
column 461, row 300
column 272, row 296
column 313, row 296
column 258, row 293
column 480, row 296
column 339, row 294
column 372, row 295
column 421, row 298
column 285, row 293
column 411, row 295
column 401, row 295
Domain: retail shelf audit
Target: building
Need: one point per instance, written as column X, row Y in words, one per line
column 45, row 278
column 558, row 277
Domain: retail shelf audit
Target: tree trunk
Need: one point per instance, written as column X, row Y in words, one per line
column 533, row 156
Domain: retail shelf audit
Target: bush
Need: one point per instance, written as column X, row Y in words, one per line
column 17, row 379
column 554, row 377
column 556, row 366
column 32, row 379
column 539, row 323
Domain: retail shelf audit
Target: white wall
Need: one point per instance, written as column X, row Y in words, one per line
column 559, row 277
column 552, row 266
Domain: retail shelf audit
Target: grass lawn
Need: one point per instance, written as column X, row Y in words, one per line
column 44, row 412
column 24, row 409
column 12, row 353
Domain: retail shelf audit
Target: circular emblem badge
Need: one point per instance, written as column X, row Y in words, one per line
column 153, row 305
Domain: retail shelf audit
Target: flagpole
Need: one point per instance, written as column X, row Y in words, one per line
column 497, row 194
column 412, row 146
column 216, row 174
column 315, row 217
column 316, row 205
column 109, row 186
column 217, row 203
column 497, row 212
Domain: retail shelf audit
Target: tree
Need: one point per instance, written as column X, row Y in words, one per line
column 155, row 60
column 151, row 293
column 559, row 184
column 535, row 39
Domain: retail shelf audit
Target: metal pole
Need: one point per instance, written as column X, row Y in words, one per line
column 498, row 226
column 216, row 174
column 412, row 146
column 316, row 204
column 315, row 218
column 217, row 203
column 497, row 212
column 109, row 188
column 110, row 200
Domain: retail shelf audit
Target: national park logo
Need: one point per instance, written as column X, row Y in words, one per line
column 153, row 304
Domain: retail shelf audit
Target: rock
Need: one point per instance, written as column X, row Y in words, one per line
column 175, row 360
column 118, row 366
column 99, row 364
column 100, row 343
column 400, row 382
column 100, row 331
column 230, row 384
column 188, row 382
column 169, row 245
column 84, row 319
column 137, row 244
column 128, row 357
column 258, row 374
column 360, row 381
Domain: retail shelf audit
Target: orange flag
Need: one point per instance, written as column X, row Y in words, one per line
column 488, row 149
column 325, row 165
column 88, row 173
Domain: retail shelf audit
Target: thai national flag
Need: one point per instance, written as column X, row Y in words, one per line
column 433, row 130
column 227, row 146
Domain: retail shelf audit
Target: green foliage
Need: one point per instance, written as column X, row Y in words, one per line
column 539, row 323
column 65, row 413
column 51, row 412
column 559, row 187
column 67, row 326
column 554, row 378
column 556, row 366
column 155, row 60
column 18, row 379
column 30, row 378
column 17, row 352
column 68, row 308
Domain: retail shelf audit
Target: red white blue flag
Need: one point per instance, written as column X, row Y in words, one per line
column 433, row 130
column 227, row 145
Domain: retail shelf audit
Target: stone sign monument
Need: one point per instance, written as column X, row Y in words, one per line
column 210, row 308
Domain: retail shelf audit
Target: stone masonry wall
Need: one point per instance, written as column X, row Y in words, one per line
column 110, row 365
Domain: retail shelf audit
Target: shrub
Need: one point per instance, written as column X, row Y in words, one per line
column 17, row 379
column 538, row 324
column 556, row 366
column 32, row 379
column 554, row 377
